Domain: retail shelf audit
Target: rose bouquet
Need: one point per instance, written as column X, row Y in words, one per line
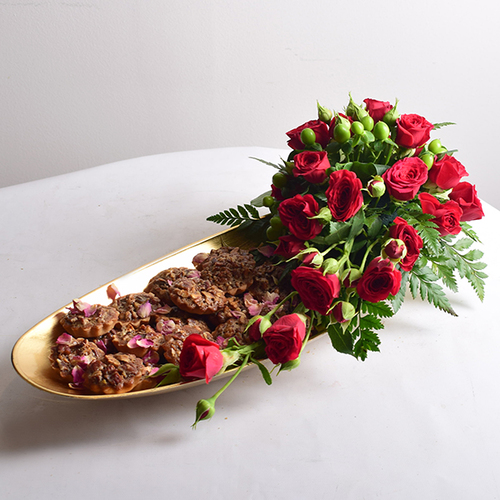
column 365, row 207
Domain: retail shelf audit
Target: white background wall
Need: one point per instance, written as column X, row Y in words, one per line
column 83, row 83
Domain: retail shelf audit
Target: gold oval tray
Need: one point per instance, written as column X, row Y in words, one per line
column 30, row 355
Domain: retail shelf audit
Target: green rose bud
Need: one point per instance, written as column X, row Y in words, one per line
column 350, row 277
column 324, row 114
column 343, row 311
column 376, row 187
column 330, row 266
column 205, row 410
column 355, row 110
column 392, row 115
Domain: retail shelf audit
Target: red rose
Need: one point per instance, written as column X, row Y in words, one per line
column 311, row 165
column 295, row 212
column 377, row 109
column 413, row 131
column 284, row 339
column 466, row 196
column 379, row 280
column 276, row 193
column 199, row 358
column 289, row 246
column 447, row 172
column 316, row 290
column 405, row 177
column 413, row 242
column 344, row 195
column 320, row 128
column 446, row 215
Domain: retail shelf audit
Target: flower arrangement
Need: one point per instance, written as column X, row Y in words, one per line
column 365, row 207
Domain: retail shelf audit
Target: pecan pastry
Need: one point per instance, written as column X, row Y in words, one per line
column 197, row 296
column 135, row 308
column 115, row 374
column 231, row 269
column 87, row 321
column 160, row 284
column 69, row 354
column 137, row 340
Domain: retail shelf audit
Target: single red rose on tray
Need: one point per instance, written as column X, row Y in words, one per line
column 412, row 131
column 311, row 165
column 446, row 215
column 380, row 279
column 316, row 290
column 465, row 195
column 295, row 214
column 405, row 178
column 408, row 234
column 377, row 109
column 284, row 338
column 200, row 358
column 344, row 195
column 447, row 172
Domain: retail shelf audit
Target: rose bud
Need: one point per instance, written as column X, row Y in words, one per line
column 392, row 115
column 376, row 187
column 324, row 114
column 394, row 249
column 257, row 326
column 205, row 410
column 350, row 277
column 330, row 266
column 343, row 311
column 311, row 257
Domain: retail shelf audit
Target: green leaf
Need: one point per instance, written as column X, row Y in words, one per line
column 259, row 201
column 267, row 163
column 442, row 124
column 423, row 279
column 399, row 298
column 264, row 371
column 341, row 340
column 380, row 309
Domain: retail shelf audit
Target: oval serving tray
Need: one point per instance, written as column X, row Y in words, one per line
column 30, row 355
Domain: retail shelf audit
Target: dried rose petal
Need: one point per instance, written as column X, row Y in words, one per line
column 194, row 274
column 139, row 341
column 199, row 258
column 164, row 309
column 65, row 339
column 112, row 292
column 145, row 310
column 253, row 306
column 165, row 327
column 266, row 251
column 77, row 373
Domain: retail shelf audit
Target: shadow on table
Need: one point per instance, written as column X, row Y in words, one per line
column 32, row 419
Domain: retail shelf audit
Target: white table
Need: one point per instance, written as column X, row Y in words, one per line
column 419, row 420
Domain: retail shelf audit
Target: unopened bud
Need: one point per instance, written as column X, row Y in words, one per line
column 324, row 114
column 350, row 277
column 376, row 187
column 343, row 311
column 330, row 266
column 394, row 249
